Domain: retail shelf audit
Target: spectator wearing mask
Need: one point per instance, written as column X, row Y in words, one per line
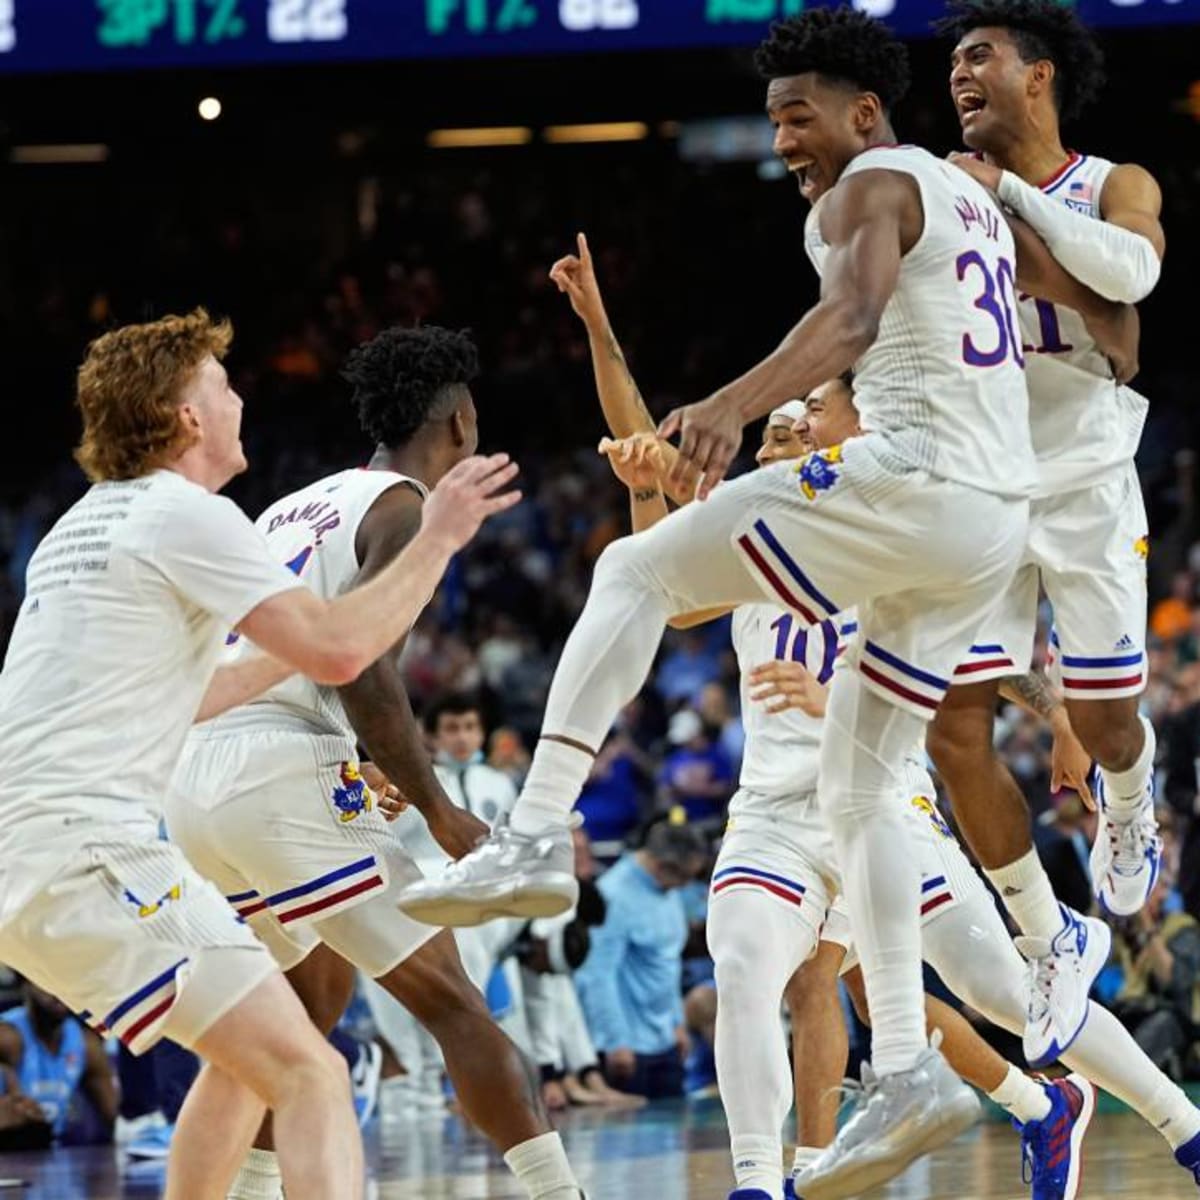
column 57, row 1080
column 632, row 982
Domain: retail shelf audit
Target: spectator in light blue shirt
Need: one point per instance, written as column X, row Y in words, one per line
column 632, row 983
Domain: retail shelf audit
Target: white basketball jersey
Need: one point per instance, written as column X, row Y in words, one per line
column 942, row 383
column 1082, row 419
column 783, row 750
column 312, row 532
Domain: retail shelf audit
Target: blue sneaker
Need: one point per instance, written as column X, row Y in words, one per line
column 1052, row 1148
column 155, row 1142
column 789, row 1190
column 749, row 1194
column 364, row 1081
column 1188, row 1157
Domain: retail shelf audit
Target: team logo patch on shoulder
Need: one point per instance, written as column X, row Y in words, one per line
column 818, row 471
column 352, row 796
column 926, row 807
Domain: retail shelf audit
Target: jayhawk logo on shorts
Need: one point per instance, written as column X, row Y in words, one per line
column 817, row 472
column 353, row 797
column 148, row 910
column 1141, row 547
column 928, row 808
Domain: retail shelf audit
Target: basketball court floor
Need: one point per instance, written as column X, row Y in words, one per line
column 669, row 1152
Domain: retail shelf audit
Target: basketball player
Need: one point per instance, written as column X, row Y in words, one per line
column 776, row 876
column 905, row 251
column 269, row 801
column 114, row 651
column 1019, row 67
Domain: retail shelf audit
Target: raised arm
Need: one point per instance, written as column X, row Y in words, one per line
column 625, row 411
column 868, row 221
column 333, row 642
column 377, row 701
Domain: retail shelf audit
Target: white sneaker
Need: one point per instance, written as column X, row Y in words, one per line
column 506, row 875
column 1126, row 858
column 1061, row 974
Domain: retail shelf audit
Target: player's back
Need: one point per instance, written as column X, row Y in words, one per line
column 313, row 532
column 943, row 383
column 1082, row 420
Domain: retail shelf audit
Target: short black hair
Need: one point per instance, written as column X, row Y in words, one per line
column 839, row 44
column 401, row 376
column 453, row 704
column 1040, row 29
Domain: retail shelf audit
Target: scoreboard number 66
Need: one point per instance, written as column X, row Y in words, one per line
column 300, row 20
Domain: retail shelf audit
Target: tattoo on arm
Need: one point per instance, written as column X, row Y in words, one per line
column 614, row 352
column 1032, row 690
column 644, row 495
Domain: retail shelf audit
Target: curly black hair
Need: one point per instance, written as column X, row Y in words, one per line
column 840, row 44
column 400, row 378
column 1040, row 29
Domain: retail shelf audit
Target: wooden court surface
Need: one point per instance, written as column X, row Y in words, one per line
column 674, row 1152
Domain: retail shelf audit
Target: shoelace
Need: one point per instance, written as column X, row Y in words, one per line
column 1130, row 842
column 1041, row 980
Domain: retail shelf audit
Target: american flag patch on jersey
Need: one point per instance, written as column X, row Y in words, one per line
column 1080, row 191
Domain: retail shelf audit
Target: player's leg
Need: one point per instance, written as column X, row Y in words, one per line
column 820, row 1044
column 1095, row 572
column 498, row 1088
column 324, row 983
column 757, row 940
column 685, row 563
column 266, row 1044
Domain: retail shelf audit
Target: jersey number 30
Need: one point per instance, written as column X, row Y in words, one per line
column 997, row 299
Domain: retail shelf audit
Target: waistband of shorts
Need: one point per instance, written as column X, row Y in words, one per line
column 259, row 719
column 329, row 746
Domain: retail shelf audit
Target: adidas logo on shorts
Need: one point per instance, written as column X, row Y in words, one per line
column 1126, row 643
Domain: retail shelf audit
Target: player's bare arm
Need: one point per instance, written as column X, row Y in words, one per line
column 1070, row 763
column 780, row 685
column 333, row 642
column 625, row 411
column 98, row 1082
column 869, row 221
column 239, row 683
column 1121, row 256
column 377, row 701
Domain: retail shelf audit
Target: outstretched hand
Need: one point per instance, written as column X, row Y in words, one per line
column 467, row 495
column 985, row 173
column 710, row 434
column 575, row 277
column 779, row 686
column 637, row 460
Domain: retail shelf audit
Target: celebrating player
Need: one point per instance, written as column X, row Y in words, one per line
column 1017, row 69
column 270, row 803
column 128, row 601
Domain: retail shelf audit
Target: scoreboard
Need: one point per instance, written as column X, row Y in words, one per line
column 73, row 35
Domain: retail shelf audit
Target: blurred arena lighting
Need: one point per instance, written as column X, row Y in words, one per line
column 76, row 152
column 500, row 135
column 727, row 139
column 209, row 108
column 604, row 131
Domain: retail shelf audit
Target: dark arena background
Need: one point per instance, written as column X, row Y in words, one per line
column 319, row 170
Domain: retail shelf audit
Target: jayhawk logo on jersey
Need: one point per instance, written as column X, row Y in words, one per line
column 148, row 910
column 353, row 796
column 1141, row 547
column 817, row 472
column 925, row 806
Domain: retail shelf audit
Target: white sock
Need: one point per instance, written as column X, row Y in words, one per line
column 259, row 1178
column 757, row 1164
column 1106, row 1053
column 803, row 1156
column 1125, row 791
column 541, row 1168
column 556, row 777
column 1025, row 1098
column 1025, row 890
